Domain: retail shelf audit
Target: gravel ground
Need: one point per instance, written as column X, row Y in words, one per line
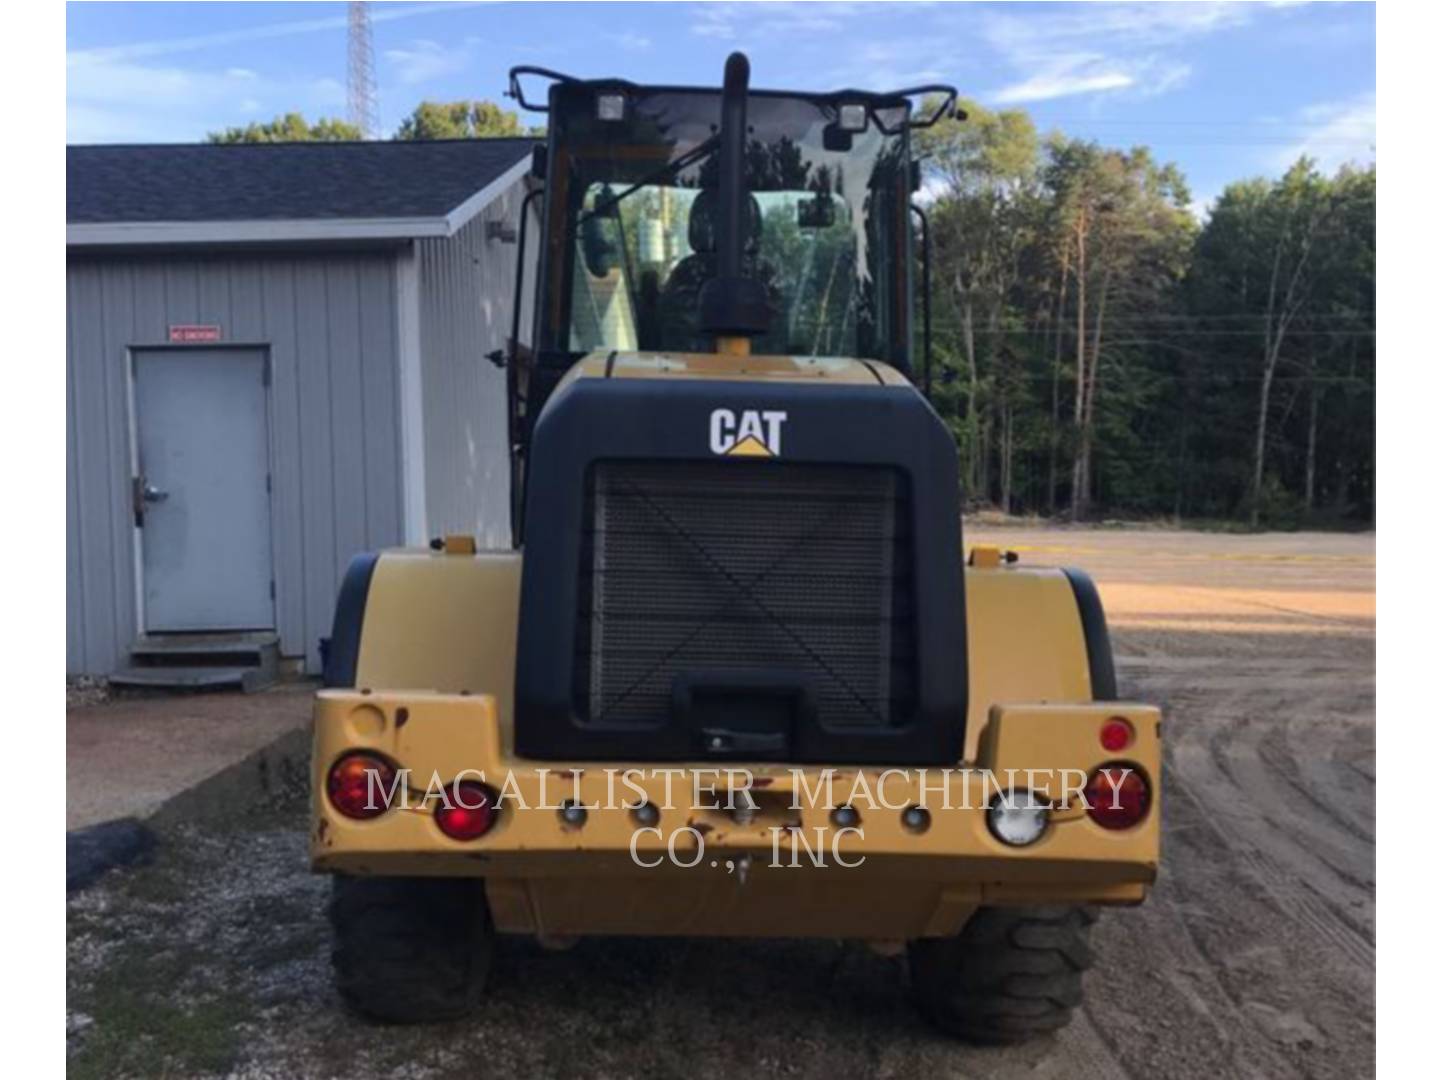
column 1253, row 957
column 82, row 690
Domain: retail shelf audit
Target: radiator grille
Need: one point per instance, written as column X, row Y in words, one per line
column 721, row 567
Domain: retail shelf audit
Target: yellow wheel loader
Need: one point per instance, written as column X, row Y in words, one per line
column 734, row 676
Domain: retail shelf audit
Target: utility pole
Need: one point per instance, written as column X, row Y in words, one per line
column 362, row 98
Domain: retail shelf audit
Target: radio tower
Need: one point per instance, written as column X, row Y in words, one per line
column 362, row 98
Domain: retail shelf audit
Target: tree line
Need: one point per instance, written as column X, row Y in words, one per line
column 1100, row 351
column 1103, row 353
column 428, row 120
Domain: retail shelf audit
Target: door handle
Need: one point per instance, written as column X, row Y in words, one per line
column 142, row 492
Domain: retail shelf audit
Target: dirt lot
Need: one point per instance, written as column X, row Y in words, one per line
column 1254, row 957
column 126, row 755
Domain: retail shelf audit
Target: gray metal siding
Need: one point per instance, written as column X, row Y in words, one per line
column 466, row 291
column 329, row 323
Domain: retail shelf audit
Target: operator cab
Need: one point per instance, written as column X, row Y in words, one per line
column 632, row 223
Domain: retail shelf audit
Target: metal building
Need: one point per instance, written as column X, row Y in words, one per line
column 275, row 360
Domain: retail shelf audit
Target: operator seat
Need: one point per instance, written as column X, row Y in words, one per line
column 680, row 298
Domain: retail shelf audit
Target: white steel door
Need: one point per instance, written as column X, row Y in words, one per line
column 202, row 496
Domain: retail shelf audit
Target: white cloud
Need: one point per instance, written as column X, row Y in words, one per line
column 1060, row 83
column 425, row 60
column 1166, row 77
column 109, row 101
column 97, row 124
column 140, row 50
column 122, row 84
column 1201, row 205
column 126, row 92
column 768, row 20
column 1126, row 25
column 709, row 26
column 1091, row 73
column 630, row 41
column 1336, row 132
column 1098, row 48
column 885, row 65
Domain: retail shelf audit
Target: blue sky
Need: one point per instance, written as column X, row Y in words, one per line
column 1225, row 89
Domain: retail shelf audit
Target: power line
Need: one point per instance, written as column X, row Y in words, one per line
column 1190, row 376
column 1147, row 320
column 1166, row 122
column 1023, row 332
column 1298, row 139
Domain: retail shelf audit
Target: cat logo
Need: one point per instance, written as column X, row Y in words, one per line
column 755, row 433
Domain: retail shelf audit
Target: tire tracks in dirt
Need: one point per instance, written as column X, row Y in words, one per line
column 1228, row 778
column 1262, row 925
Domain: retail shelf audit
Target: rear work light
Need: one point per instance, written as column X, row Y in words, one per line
column 1018, row 818
column 467, row 812
column 360, row 785
column 1117, row 796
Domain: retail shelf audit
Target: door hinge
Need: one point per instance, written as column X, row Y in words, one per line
column 267, row 483
column 272, row 588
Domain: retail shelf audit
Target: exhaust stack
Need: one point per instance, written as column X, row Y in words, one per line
column 733, row 306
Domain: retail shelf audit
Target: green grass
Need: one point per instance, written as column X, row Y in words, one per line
column 162, row 1009
column 145, row 1024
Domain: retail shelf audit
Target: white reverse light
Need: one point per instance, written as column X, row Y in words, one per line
column 853, row 118
column 1018, row 818
column 610, row 106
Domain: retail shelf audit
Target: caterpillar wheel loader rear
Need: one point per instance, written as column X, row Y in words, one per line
column 735, row 676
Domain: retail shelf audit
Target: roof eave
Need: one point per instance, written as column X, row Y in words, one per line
column 459, row 217
column 285, row 231
column 139, row 233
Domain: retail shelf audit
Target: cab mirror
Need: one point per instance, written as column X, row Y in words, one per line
column 597, row 247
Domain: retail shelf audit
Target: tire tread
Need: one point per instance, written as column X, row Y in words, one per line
column 410, row 950
column 1011, row 974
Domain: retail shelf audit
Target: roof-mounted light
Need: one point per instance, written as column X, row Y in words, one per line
column 610, row 107
column 853, row 117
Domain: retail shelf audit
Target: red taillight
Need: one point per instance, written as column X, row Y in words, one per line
column 1117, row 796
column 467, row 812
column 1116, row 734
column 360, row 785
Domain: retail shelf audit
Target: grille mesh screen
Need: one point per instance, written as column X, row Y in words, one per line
column 721, row 567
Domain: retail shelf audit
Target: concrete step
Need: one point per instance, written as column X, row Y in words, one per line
column 248, row 661
column 193, row 677
column 160, row 648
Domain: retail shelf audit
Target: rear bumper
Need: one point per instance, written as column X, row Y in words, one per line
column 783, row 869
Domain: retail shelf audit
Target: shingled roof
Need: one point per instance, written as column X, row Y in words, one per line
column 282, row 182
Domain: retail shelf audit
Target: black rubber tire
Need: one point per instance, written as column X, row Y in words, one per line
column 1010, row 975
column 411, row 950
